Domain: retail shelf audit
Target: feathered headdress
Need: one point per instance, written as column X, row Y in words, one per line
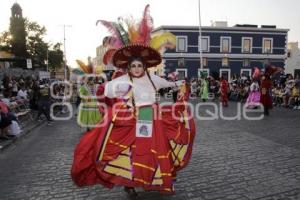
column 271, row 70
column 87, row 69
column 130, row 40
column 256, row 73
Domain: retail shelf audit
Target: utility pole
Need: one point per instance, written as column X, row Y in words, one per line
column 47, row 59
column 200, row 36
column 65, row 53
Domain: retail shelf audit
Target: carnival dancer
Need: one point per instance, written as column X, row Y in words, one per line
column 139, row 143
column 265, row 97
column 253, row 99
column 204, row 89
column 88, row 115
column 224, row 91
column 266, row 86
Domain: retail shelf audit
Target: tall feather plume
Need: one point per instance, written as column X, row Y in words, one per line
column 133, row 33
column 164, row 40
column 122, row 31
column 145, row 27
column 113, row 30
column 85, row 68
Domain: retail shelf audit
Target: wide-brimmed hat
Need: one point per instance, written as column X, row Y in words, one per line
column 133, row 39
column 149, row 56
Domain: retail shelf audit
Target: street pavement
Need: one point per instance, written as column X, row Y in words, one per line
column 237, row 159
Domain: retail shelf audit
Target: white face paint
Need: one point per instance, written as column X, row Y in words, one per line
column 136, row 68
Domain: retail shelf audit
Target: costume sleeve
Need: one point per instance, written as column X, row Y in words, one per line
column 117, row 88
column 162, row 83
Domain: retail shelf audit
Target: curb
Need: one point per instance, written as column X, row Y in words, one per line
column 17, row 139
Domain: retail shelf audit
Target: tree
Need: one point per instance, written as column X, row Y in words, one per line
column 55, row 57
column 5, row 41
column 36, row 47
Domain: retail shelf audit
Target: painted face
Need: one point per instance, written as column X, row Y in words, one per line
column 136, row 68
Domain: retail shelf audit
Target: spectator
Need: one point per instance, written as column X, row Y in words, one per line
column 5, row 122
column 14, row 88
column 22, row 94
column 294, row 99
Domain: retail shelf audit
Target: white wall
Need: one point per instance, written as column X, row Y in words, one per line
column 293, row 62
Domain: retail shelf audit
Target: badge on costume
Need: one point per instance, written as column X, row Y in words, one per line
column 144, row 128
column 144, row 122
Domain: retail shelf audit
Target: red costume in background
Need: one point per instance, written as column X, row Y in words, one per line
column 224, row 92
column 265, row 89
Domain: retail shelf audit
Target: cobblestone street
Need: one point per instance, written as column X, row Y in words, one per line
column 238, row 159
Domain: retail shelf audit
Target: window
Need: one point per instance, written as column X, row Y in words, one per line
column 225, row 73
column 247, row 45
column 204, row 43
column 267, row 45
column 225, row 44
column 225, row 62
column 182, row 73
column 246, row 63
column 246, row 72
column 181, row 43
column 205, row 63
column 181, row 62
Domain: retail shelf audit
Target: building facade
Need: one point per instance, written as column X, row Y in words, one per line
column 226, row 51
column 293, row 60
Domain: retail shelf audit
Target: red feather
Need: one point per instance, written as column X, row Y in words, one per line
column 256, row 73
column 145, row 27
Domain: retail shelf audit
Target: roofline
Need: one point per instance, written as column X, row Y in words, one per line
column 167, row 27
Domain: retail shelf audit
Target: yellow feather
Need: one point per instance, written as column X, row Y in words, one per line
column 83, row 66
column 132, row 28
column 167, row 40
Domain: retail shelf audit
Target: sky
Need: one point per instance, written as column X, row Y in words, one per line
column 83, row 36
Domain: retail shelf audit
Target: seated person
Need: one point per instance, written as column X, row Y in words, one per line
column 5, row 122
column 294, row 99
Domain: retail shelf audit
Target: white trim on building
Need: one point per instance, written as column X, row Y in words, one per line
column 225, row 70
column 208, row 43
column 185, row 43
column 178, row 70
column 210, row 28
column 263, row 45
column 246, row 70
column 222, row 55
column 243, row 43
column 221, row 44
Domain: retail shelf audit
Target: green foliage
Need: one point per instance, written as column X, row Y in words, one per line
column 30, row 43
column 5, row 41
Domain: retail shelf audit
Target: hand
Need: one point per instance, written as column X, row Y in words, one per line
column 180, row 83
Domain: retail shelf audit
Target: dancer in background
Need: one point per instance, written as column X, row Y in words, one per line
column 224, row 91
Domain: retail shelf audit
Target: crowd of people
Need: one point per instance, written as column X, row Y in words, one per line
column 24, row 96
column 285, row 89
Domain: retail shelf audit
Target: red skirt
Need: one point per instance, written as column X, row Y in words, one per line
column 113, row 155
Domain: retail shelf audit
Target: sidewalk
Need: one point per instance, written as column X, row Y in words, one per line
column 27, row 127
